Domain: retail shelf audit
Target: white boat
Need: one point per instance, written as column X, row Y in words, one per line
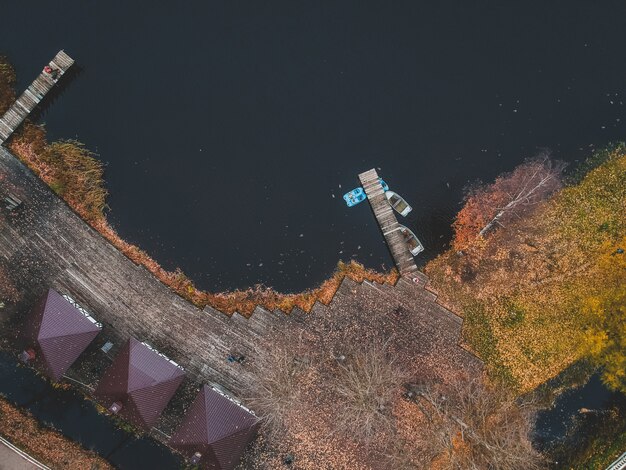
column 398, row 203
column 415, row 246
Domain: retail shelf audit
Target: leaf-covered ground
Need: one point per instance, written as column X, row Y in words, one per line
column 528, row 291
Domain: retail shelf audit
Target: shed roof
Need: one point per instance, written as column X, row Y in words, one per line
column 218, row 428
column 143, row 380
column 61, row 331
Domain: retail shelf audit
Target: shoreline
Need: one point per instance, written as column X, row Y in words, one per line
column 49, row 445
column 30, row 142
column 499, row 321
column 74, row 173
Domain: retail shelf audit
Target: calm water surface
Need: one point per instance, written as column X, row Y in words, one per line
column 555, row 424
column 230, row 130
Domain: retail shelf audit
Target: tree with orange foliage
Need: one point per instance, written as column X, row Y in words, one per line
column 509, row 196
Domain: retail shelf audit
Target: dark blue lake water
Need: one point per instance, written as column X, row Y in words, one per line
column 231, row 129
column 554, row 424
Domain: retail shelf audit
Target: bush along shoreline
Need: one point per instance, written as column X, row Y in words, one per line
column 44, row 443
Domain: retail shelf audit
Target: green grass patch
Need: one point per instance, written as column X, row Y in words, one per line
column 478, row 333
column 601, row 453
column 515, row 314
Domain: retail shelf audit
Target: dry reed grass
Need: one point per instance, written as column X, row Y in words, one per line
column 77, row 176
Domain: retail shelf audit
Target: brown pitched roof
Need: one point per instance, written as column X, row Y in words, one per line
column 218, row 428
column 60, row 332
column 143, row 380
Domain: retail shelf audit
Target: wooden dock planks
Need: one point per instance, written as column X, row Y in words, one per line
column 47, row 244
column 388, row 223
column 33, row 95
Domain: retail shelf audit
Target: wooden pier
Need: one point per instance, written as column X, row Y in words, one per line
column 388, row 223
column 43, row 243
column 33, row 95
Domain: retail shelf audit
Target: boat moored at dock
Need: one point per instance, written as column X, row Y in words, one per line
column 415, row 246
column 398, row 203
column 354, row 197
column 357, row 195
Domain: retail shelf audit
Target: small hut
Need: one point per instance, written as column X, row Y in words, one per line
column 215, row 431
column 57, row 332
column 140, row 383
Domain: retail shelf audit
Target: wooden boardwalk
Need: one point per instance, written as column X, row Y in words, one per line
column 43, row 244
column 388, row 223
column 33, row 95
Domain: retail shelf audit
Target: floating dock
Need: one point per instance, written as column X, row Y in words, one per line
column 33, row 95
column 388, row 223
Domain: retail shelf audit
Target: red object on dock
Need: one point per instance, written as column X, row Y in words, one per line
column 27, row 356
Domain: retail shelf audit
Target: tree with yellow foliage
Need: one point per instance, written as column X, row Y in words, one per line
column 605, row 311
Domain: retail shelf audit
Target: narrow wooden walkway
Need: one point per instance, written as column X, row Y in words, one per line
column 43, row 243
column 388, row 223
column 33, row 95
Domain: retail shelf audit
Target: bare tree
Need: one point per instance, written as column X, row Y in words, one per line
column 274, row 391
column 400, row 454
column 366, row 383
column 510, row 195
column 471, row 427
column 527, row 185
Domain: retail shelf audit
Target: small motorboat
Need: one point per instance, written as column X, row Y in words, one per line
column 415, row 246
column 398, row 203
column 384, row 185
column 355, row 196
